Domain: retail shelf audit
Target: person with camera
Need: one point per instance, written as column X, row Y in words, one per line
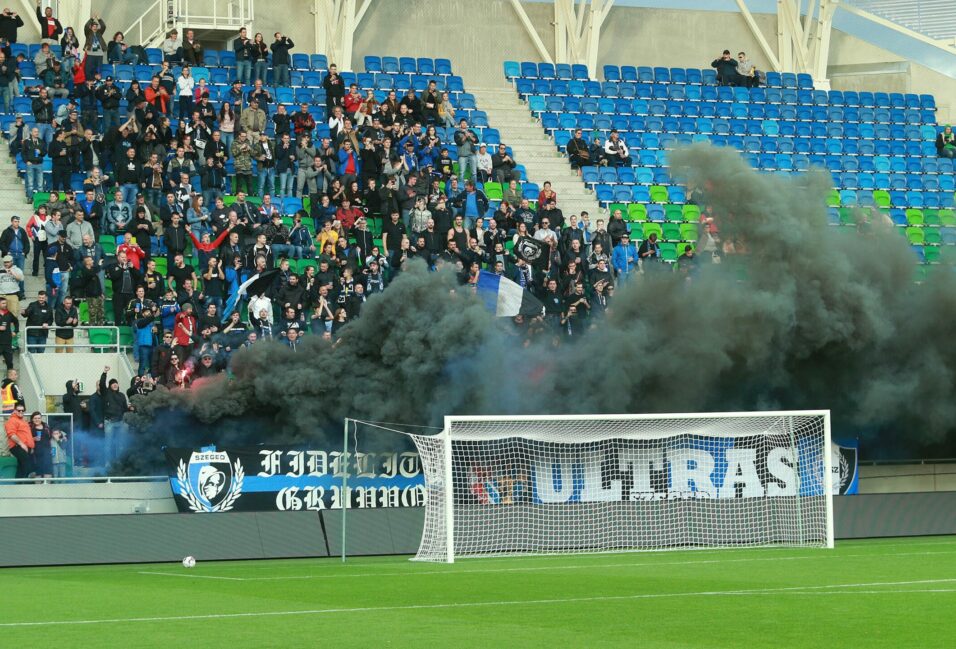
column 10, row 22
column 726, row 67
column 281, row 59
column 43, row 59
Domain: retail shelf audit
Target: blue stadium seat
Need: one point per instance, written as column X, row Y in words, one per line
column 629, row 73
column 612, row 73
column 529, row 69
column 425, row 65
column 579, row 72
column 443, row 67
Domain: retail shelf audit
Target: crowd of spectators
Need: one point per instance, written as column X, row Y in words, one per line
column 196, row 193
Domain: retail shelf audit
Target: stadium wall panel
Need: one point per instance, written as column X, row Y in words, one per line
column 64, row 540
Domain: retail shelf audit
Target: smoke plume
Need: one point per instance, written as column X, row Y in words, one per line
column 809, row 316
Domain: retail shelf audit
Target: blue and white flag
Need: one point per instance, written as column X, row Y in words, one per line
column 506, row 298
column 255, row 285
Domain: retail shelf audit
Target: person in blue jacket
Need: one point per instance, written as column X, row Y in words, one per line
column 624, row 257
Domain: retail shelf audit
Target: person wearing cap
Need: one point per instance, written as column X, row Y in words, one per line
column 109, row 96
column 484, row 163
column 624, row 257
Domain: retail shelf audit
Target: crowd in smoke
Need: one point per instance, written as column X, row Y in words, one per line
column 804, row 315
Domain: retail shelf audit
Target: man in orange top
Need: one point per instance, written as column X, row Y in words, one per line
column 20, row 440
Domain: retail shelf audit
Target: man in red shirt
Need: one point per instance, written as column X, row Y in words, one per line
column 134, row 253
column 184, row 331
column 353, row 100
column 347, row 215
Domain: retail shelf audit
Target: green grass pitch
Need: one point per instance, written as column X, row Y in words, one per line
column 879, row 593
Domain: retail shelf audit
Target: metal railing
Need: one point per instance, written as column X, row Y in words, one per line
column 87, row 480
column 56, row 421
column 149, row 30
column 933, row 18
column 98, row 339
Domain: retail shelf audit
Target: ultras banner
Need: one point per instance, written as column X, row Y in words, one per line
column 289, row 479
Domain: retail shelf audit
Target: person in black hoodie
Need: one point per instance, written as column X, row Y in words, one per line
column 73, row 405
column 334, row 89
column 115, row 407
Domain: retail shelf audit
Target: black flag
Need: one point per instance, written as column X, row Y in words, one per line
column 532, row 251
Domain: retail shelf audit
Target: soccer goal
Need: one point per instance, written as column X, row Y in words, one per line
column 619, row 483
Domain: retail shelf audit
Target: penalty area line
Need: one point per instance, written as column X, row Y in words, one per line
column 790, row 590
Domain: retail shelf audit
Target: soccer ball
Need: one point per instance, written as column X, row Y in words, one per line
column 189, row 562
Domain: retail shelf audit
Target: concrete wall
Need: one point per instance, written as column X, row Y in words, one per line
column 78, row 499
column 907, row 478
column 479, row 36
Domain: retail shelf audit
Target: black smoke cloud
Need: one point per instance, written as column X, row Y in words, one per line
column 811, row 316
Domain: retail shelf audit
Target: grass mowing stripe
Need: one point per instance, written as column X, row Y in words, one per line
column 532, row 602
column 590, row 566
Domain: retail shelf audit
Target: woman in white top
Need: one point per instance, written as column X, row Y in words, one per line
column 184, row 87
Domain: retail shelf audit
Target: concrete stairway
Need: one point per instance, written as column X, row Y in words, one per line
column 534, row 149
column 13, row 202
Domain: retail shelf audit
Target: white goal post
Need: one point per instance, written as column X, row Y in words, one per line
column 619, row 483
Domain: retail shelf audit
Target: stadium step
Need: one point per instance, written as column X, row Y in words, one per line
column 534, row 149
column 13, row 203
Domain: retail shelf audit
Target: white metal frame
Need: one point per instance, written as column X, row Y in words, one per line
column 451, row 419
column 335, row 24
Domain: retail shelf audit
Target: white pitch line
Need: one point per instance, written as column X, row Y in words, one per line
column 790, row 590
column 177, row 574
column 587, row 566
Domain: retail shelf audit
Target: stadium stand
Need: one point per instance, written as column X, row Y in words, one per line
column 882, row 149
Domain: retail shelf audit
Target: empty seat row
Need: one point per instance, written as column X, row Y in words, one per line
column 408, row 65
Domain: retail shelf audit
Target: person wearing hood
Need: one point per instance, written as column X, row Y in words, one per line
column 115, row 407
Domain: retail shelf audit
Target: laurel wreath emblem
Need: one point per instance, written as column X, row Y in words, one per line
column 186, row 491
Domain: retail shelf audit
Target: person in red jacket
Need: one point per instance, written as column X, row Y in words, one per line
column 184, row 332
column 134, row 253
column 353, row 101
column 20, row 441
column 347, row 215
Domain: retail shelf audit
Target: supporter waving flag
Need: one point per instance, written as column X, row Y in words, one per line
column 506, row 298
column 255, row 285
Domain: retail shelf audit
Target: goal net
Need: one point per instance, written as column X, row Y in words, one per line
column 573, row 484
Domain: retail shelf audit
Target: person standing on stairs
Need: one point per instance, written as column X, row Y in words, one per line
column 15, row 243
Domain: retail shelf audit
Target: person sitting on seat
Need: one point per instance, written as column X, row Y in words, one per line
column 946, row 143
column 726, row 69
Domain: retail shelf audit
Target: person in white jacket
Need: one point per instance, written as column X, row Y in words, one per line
column 184, row 89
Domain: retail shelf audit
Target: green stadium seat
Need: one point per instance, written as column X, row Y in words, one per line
column 882, row 198
column 493, row 191
column 932, row 236
column 688, row 232
column 671, row 232
column 914, row 216
column 659, row 194
column 161, row 264
column 691, row 213
column 669, row 252
column 931, row 218
column 39, row 198
column 846, row 216
column 109, row 246
column 126, row 336
column 84, row 312
column 617, row 206
column 673, row 213
column 302, row 264
column 947, row 218
column 102, row 336
column 915, row 236
column 931, row 254
column 647, row 228
column 636, row 212
column 833, row 198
